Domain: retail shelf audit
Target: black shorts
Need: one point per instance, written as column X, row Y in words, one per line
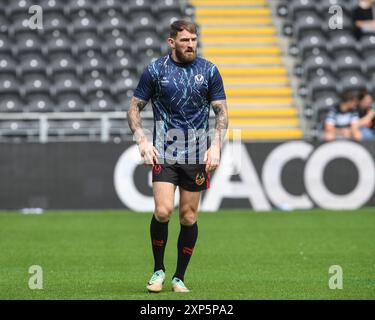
column 191, row 177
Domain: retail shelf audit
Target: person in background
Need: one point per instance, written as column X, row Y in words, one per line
column 342, row 121
column 364, row 18
column 366, row 114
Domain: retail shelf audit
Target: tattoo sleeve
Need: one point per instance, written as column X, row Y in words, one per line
column 221, row 121
column 134, row 117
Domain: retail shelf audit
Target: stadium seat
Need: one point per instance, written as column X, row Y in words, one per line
column 18, row 8
column 326, row 100
column 5, row 45
column 297, row 7
column 8, row 65
column 101, row 101
column 120, row 62
column 353, row 82
column 320, row 85
column 115, row 41
column 62, row 63
column 4, row 23
column 74, row 127
column 11, row 103
column 313, row 44
column 307, row 23
column 40, row 102
column 83, row 22
column 65, row 83
column 8, row 85
column 58, row 43
column 32, row 63
column 107, row 5
column 55, row 21
column 85, row 42
column 136, row 6
column 317, row 66
column 74, row 6
column 116, row 22
column 19, row 128
column 348, row 64
column 342, row 45
column 71, row 101
column 370, row 67
column 143, row 22
column 149, row 43
column 52, row 6
column 28, row 43
column 367, row 45
column 347, row 6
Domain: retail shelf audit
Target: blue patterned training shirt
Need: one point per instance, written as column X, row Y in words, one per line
column 181, row 95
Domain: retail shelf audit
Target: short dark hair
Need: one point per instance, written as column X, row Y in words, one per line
column 351, row 95
column 363, row 93
column 180, row 25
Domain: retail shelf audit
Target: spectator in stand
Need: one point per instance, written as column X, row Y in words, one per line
column 342, row 121
column 366, row 112
column 364, row 18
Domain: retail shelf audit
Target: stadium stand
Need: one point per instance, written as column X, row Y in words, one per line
column 73, row 79
column 328, row 61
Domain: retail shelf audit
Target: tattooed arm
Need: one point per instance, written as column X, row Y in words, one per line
column 212, row 156
column 148, row 152
column 221, row 121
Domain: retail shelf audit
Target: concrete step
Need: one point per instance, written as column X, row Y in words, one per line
column 266, row 134
column 235, row 31
column 256, row 71
column 259, row 92
column 259, row 102
column 234, row 11
column 270, row 112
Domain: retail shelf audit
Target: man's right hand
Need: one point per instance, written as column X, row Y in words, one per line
column 148, row 152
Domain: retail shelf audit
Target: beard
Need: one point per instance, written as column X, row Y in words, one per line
column 186, row 56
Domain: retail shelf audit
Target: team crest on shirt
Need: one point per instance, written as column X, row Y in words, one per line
column 199, row 79
column 199, row 179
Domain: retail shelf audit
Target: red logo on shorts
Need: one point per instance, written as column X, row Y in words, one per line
column 156, row 169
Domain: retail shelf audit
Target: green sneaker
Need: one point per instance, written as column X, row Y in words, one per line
column 178, row 285
column 156, row 282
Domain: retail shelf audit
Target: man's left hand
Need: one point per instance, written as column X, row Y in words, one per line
column 212, row 158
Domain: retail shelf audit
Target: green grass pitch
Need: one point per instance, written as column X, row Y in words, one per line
column 239, row 255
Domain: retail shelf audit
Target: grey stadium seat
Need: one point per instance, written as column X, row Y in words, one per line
column 28, row 43
column 8, row 65
column 71, row 101
column 321, row 85
column 19, row 128
column 317, row 65
column 52, row 6
column 74, row 127
column 342, row 44
column 312, row 44
column 367, row 45
column 353, row 82
column 298, row 7
column 307, row 23
column 11, row 103
column 40, row 102
column 347, row 64
column 32, row 63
